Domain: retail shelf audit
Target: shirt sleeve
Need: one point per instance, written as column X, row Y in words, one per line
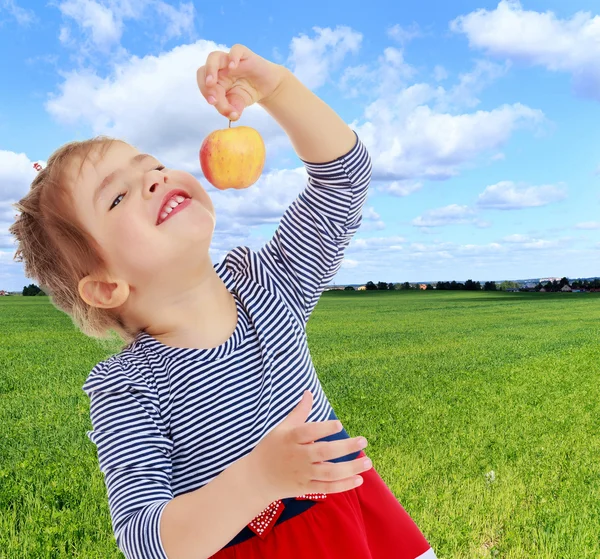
column 308, row 246
column 134, row 454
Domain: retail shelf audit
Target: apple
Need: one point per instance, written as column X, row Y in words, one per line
column 232, row 157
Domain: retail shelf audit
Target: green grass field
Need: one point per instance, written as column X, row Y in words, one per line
column 448, row 387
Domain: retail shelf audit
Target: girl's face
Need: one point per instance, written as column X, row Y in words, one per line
column 119, row 198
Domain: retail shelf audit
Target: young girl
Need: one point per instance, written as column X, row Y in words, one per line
column 212, row 429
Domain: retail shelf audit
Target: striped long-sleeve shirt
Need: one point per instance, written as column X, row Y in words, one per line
column 168, row 420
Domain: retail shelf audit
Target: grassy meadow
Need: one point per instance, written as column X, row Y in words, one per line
column 482, row 412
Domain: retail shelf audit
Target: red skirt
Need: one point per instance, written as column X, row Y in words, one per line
column 362, row 523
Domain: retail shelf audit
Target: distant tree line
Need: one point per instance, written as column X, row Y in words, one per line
column 555, row 285
column 586, row 284
column 382, row 286
column 32, row 290
column 471, row 285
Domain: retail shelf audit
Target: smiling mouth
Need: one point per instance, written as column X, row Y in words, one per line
column 165, row 215
column 168, row 209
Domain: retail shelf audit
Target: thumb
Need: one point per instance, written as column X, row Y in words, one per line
column 300, row 413
column 237, row 105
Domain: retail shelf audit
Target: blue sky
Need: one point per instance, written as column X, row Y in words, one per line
column 480, row 117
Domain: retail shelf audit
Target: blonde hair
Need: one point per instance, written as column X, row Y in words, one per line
column 56, row 249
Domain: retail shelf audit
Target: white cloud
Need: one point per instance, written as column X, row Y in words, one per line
column 313, row 59
column 409, row 139
column 21, row 15
column 6, row 258
column 421, row 131
column 349, row 263
column 446, row 260
column 101, row 23
column 359, row 243
column 401, row 188
column 525, row 242
column 588, row 225
column 516, row 238
column 16, row 174
column 474, row 82
column 371, row 220
column 389, row 73
column 535, row 38
column 404, row 34
column 453, row 214
column 506, row 195
column 180, row 22
column 7, row 241
column 262, row 203
column 370, row 213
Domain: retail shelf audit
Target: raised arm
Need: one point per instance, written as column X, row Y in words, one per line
column 317, row 132
column 308, row 247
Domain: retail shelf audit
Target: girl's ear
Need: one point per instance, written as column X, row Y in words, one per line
column 103, row 294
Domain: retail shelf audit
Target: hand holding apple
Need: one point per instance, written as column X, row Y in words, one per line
column 235, row 80
column 235, row 157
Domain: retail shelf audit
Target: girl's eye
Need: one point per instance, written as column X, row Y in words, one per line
column 159, row 168
column 113, row 204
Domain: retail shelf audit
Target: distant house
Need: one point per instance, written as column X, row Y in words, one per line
column 2, row 292
column 543, row 290
column 422, row 286
column 362, row 288
column 566, row 289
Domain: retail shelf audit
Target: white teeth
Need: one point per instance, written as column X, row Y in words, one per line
column 170, row 205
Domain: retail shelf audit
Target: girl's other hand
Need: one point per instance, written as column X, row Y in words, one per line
column 235, row 80
column 288, row 463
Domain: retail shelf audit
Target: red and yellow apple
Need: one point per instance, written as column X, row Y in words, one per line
column 232, row 157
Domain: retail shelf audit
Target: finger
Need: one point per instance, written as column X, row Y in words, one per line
column 336, row 471
column 207, row 92
column 328, row 450
column 201, row 79
column 315, row 430
column 216, row 97
column 238, row 104
column 300, row 413
column 236, row 53
column 215, row 61
column 334, row 486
